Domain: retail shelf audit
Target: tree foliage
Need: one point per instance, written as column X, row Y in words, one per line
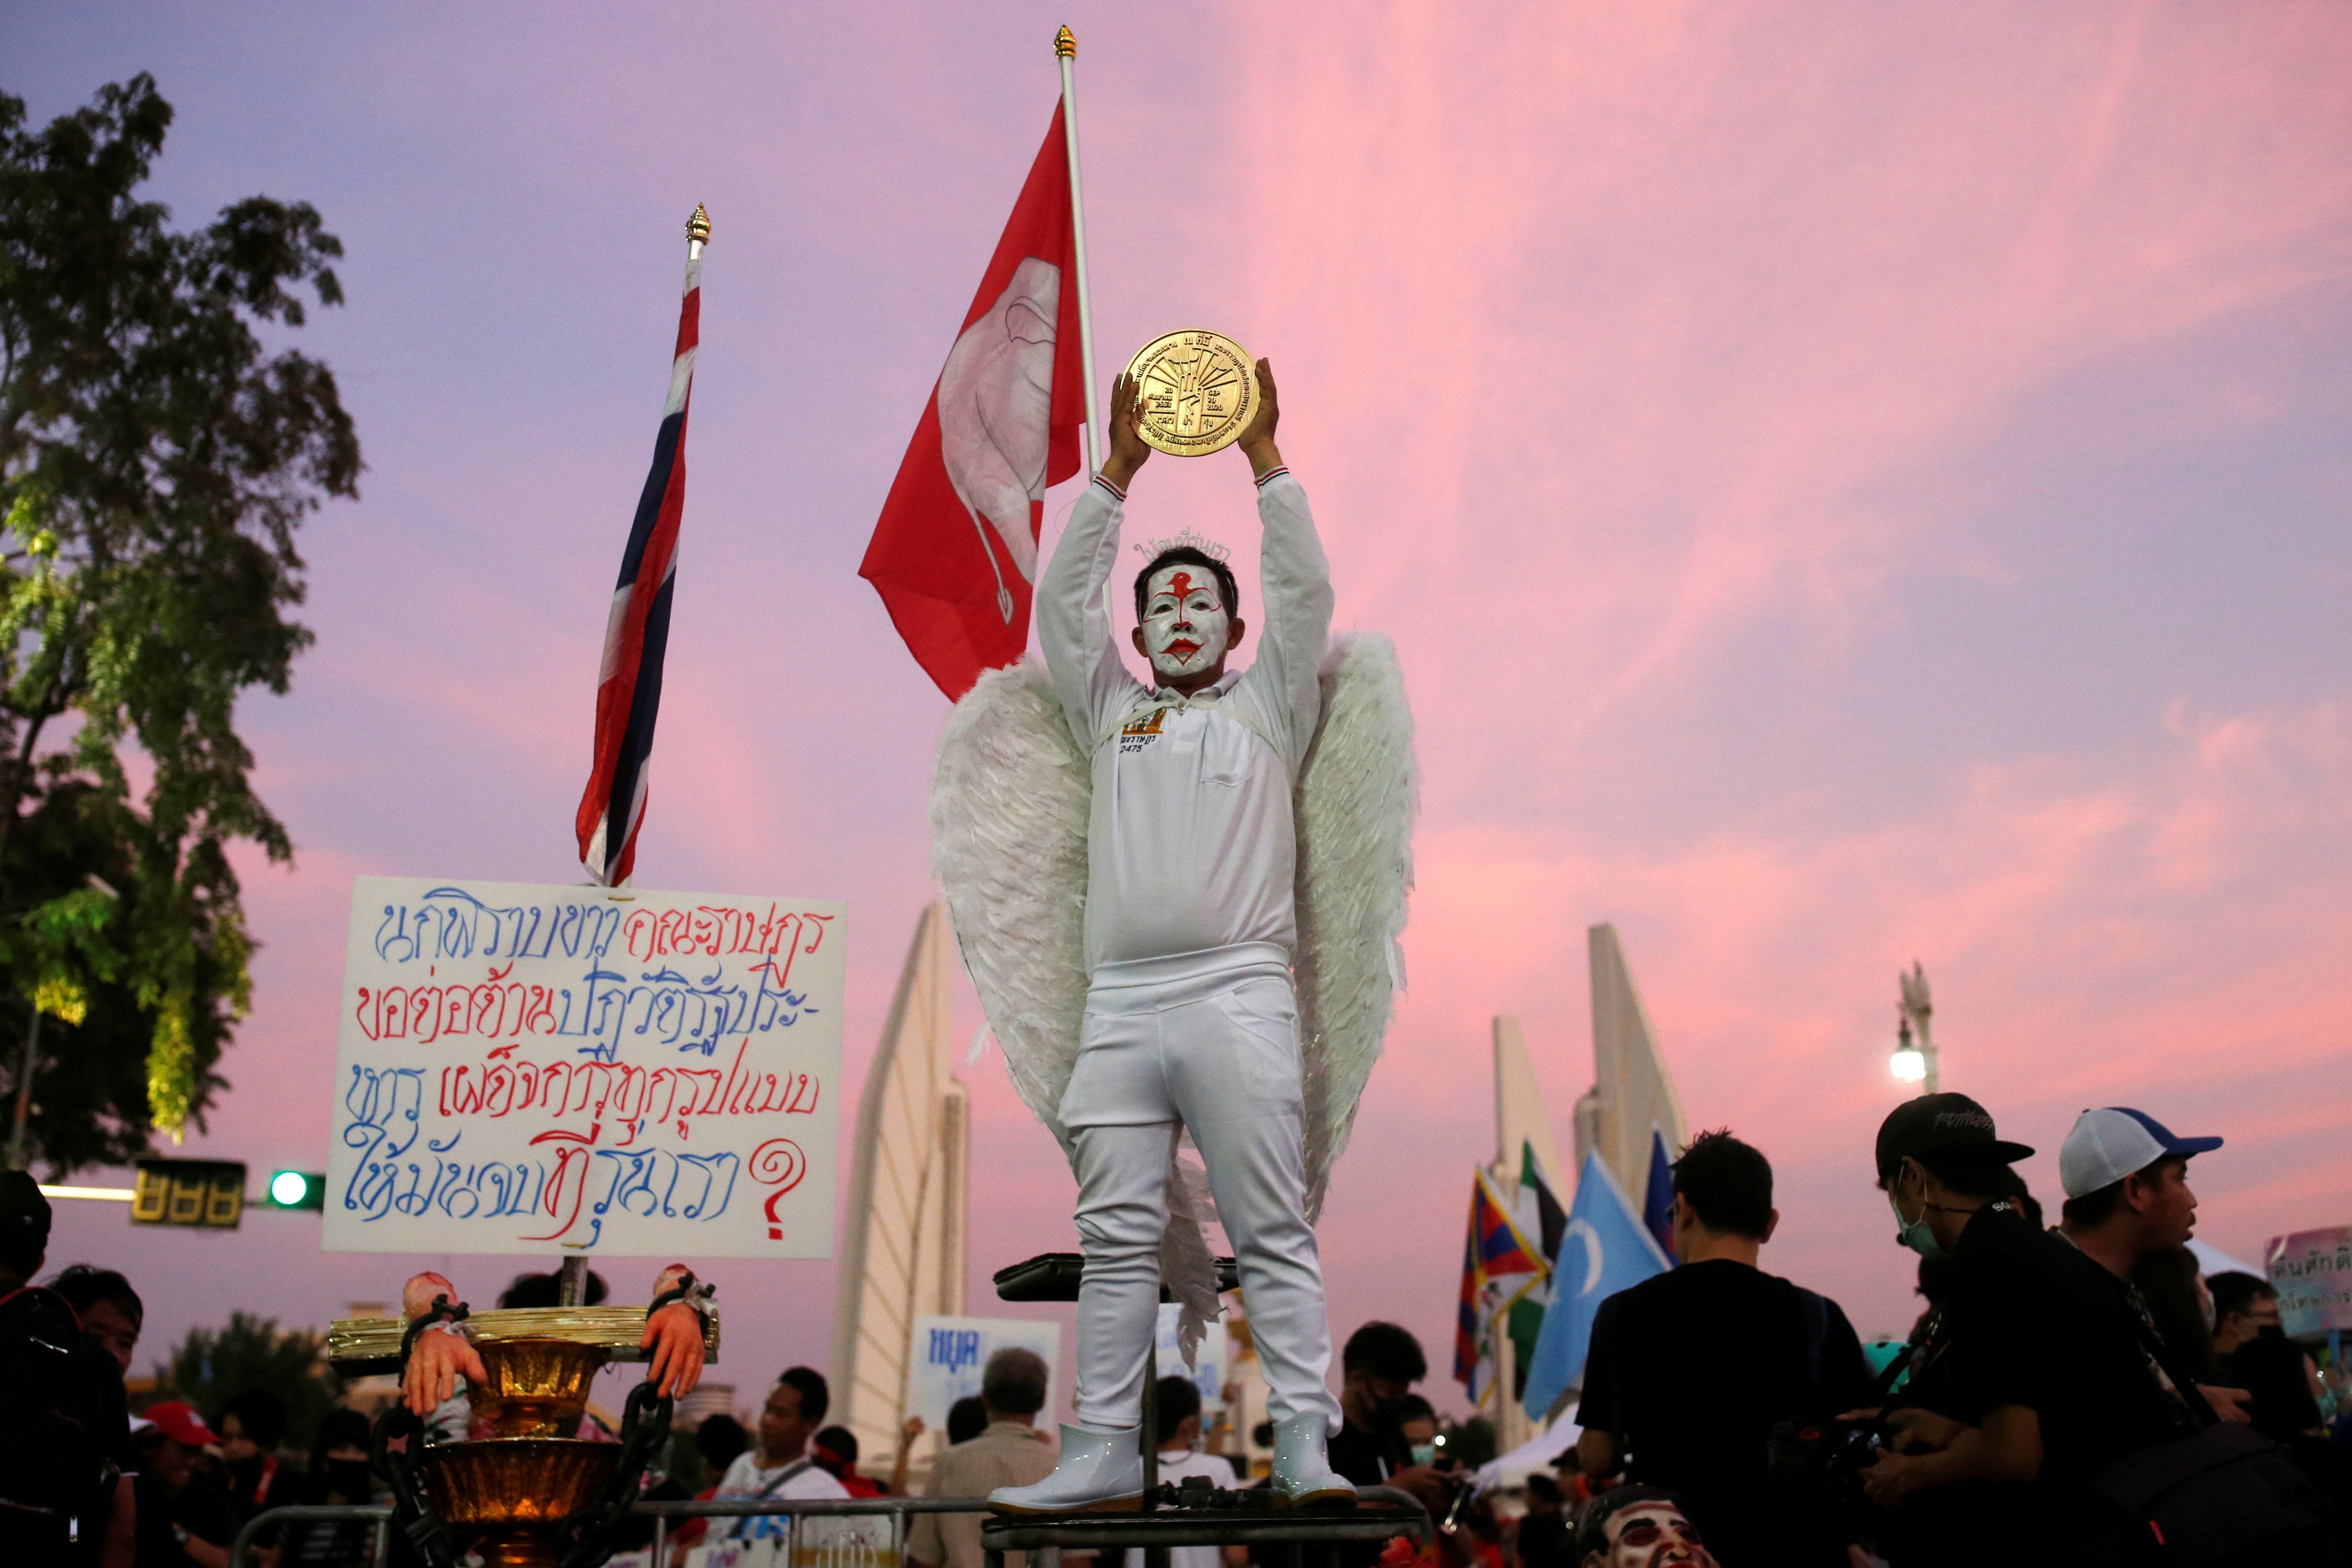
column 157, row 457
column 210, row 1368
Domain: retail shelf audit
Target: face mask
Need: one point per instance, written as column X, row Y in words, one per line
column 1424, row 1454
column 350, row 1477
column 1186, row 622
column 1914, row 1233
column 2270, row 1330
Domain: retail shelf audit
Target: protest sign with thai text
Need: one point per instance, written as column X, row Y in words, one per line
column 947, row 1356
column 527, row 1068
column 2312, row 1271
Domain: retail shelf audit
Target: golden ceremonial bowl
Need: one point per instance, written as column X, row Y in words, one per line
column 358, row 1346
column 514, row 1492
column 537, row 1387
column 1198, row 391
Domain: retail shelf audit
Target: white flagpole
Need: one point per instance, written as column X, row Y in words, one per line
column 1066, row 50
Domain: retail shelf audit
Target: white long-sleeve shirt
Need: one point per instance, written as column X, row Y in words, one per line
column 1192, row 844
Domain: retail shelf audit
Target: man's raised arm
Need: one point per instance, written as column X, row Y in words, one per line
column 1295, row 579
column 1073, row 626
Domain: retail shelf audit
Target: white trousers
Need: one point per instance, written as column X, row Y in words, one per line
column 1208, row 1042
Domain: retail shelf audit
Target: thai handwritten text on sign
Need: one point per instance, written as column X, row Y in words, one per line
column 523, row 1068
column 2312, row 1271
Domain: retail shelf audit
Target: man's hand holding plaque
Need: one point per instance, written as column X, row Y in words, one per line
column 1142, row 419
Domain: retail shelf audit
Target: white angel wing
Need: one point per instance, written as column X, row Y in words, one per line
column 1009, row 802
column 1357, row 792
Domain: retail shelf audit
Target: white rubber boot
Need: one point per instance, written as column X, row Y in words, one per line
column 1100, row 1472
column 1303, row 1475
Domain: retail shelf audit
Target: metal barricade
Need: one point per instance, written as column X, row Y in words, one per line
column 1398, row 1513
column 317, row 1513
column 1391, row 1513
column 837, row 1546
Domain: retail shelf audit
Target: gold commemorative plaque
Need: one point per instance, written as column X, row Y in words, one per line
column 1198, row 390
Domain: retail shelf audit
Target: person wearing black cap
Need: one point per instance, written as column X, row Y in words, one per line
column 2033, row 1364
column 61, row 1409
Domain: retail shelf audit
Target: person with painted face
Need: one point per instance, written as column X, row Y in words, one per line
column 2027, row 1381
column 1640, row 1527
column 1191, row 924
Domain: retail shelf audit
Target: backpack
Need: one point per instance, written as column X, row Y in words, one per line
column 2221, row 1495
column 61, row 1418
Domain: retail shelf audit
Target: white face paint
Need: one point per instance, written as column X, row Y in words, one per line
column 1186, row 622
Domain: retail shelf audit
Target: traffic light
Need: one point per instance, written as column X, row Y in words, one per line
column 297, row 1189
column 208, row 1192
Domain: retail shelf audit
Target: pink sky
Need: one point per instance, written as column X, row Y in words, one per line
column 1850, row 484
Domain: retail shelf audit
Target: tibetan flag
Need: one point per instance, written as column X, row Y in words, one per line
column 637, row 631
column 1499, row 1265
column 1541, row 1215
column 1606, row 1249
column 955, row 552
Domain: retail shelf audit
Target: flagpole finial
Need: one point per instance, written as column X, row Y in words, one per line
column 697, row 227
column 1065, row 43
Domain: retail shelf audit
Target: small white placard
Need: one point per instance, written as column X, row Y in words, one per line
column 1213, row 1357
column 946, row 1357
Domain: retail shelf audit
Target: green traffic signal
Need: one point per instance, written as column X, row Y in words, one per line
column 297, row 1189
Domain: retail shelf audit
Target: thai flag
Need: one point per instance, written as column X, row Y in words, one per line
column 637, row 633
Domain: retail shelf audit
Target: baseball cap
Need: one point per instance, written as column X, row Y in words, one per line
column 1947, row 1126
column 2106, row 1145
column 24, row 1212
column 181, row 1422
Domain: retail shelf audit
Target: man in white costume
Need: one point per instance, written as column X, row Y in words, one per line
column 1191, row 922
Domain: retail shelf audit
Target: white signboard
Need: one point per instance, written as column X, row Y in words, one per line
column 537, row 1069
column 1212, row 1358
column 947, row 1355
column 2312, row 1271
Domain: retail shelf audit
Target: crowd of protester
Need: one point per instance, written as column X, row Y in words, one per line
column 2071, row 1393
column 2076, row 1393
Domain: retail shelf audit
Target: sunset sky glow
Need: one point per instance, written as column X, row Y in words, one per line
column 1849, row 484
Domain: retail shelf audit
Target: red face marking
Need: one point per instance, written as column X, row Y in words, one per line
column 1181, row 585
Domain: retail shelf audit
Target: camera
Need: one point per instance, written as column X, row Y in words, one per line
column 1822, row 1454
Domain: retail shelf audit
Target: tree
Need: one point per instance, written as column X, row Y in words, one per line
column 156, row 459
column 209, row 1369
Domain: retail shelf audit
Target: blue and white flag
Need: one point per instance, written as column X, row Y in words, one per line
column 1606, row 1249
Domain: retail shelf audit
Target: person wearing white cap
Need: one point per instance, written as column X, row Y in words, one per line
column 2126, row 1176
column 2029, row 1379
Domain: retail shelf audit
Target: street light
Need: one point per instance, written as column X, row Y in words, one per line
column 1914, row 1062
column 1908, row 1062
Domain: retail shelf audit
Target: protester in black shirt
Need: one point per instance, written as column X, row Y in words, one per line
column 1544, row 1539
column 2035, row 1368
column 1690, row 1371
column 1378, row 1367
column 252, row 1425
column 2128, row 1206
column 339, row 1474
column 185, row 1521
column 61, row 1410
column 2251, row 1346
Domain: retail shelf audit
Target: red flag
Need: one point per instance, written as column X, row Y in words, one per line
column 955, row 552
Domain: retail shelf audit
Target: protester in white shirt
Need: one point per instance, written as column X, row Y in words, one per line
column 1179, row 1438
column 778, row 1465
column 1191, row 1021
